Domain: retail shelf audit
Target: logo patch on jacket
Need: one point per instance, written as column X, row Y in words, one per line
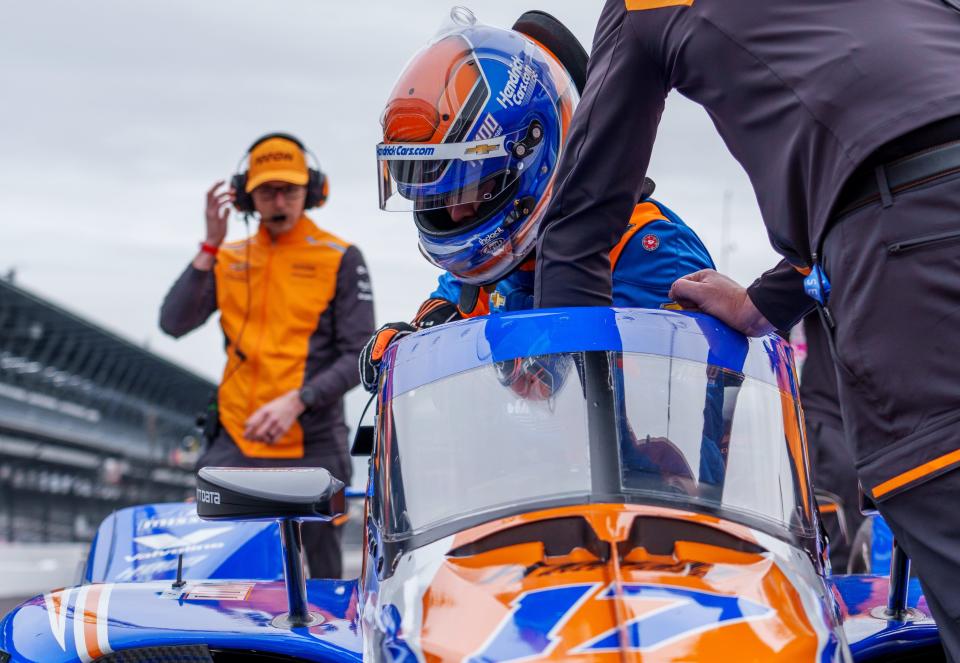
column 650, row 242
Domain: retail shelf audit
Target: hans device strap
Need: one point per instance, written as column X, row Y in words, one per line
column 317, row 185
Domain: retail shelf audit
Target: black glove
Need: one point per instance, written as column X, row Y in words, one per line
column 372, row 354
column 435, row 312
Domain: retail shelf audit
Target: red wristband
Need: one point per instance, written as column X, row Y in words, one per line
column 209, row 248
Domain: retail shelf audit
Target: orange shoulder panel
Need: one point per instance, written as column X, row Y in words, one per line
column 640, row 5
column 643, row 214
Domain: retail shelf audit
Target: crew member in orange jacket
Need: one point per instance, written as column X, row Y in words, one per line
column 296, row 307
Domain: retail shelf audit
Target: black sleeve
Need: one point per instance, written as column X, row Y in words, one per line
column 779, row 295
column 191, row 300
column 353, row 324
column 602, row 170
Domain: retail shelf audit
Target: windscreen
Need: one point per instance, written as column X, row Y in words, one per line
column 700, row 434
column 494, row 436
column 681, row 432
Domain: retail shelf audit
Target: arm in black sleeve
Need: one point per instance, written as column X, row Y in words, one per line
column 190, row 301
column 353, row 325
column 780, row 296
column 602, row 169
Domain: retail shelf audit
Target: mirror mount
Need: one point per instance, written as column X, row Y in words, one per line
column 287, row 495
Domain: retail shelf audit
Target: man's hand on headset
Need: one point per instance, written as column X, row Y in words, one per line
column 273, row 420
column 219, row 202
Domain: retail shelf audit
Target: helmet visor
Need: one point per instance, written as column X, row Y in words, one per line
column 419, row 177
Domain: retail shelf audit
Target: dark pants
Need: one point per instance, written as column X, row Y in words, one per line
column 933, row 544
column 832, row 470
column 895, row 271
column 321, row 541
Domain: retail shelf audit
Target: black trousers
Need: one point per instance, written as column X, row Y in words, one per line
column 833, row 471
column 895, row 271
column 321, row 541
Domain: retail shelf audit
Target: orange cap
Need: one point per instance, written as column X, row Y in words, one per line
column 276, row 159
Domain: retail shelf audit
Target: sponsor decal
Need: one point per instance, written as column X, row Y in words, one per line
column 494, row 247
column 520, row 80
column 651, row 242
column 56, row 606
column 404, row 151
column 205, row 591
column 470, row 151
column 489, row 128
column 481, row 150
column 208, row 496
column 270, row 157
column 166, row 545
column 89, row 618
column 188, row 518
column 486, row 239
column 660, row 616
column 153, row 570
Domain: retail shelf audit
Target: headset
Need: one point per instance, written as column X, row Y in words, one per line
column 317, row 186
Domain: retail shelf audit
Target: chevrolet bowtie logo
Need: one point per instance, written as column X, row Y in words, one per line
column 481, row 149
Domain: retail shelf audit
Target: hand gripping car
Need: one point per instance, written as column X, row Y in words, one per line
column 652, row 505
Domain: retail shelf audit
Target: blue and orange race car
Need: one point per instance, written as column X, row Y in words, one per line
column 582, row 485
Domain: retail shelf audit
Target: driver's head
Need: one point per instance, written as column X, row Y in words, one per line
column 472, row 133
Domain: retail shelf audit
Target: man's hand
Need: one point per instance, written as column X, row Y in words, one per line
column 372, row 354
column 273, row 420
column 721, row 297
column 219, row 202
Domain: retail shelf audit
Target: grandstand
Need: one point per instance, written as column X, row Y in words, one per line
column 89, row 422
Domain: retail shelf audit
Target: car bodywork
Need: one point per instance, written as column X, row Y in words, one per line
column 583, row 484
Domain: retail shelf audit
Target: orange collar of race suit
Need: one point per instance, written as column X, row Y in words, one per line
column 296, row 235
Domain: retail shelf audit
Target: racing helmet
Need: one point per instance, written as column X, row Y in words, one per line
column 477, row 121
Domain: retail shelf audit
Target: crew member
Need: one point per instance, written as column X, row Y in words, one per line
column 296, row 307
column 846, row 117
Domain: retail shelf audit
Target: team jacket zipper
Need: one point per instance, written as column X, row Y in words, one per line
column 254, row 383
column 919, row 242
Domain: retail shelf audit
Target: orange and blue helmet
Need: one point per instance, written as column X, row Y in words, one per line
column 472, row 134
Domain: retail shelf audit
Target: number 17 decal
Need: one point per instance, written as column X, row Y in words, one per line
column 531, row 629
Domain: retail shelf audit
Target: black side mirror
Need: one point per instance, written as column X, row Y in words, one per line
column 235, row 493
column 288, row 495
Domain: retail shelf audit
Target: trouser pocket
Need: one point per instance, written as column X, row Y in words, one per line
column 925, row 242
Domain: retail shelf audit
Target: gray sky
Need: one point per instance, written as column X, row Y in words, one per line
column 116, row 116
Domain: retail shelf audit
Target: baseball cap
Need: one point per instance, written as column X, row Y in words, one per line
column 277, row 159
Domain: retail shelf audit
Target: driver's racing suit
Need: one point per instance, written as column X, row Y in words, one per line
column 656, row 249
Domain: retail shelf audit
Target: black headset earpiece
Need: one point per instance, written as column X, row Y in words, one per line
column 317, row 186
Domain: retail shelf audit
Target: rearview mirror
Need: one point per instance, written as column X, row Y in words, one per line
column 235, row 493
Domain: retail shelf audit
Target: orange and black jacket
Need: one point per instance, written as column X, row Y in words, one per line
column 295, row 312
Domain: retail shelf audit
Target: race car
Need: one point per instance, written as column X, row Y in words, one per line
column 587, row 484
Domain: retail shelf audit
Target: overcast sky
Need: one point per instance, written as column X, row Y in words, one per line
column 116, row 116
